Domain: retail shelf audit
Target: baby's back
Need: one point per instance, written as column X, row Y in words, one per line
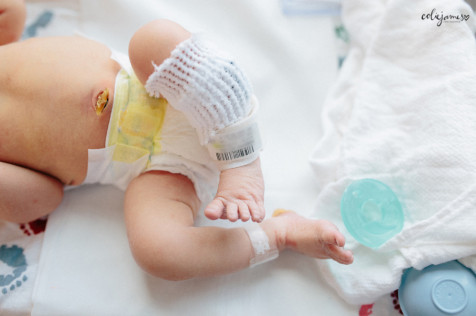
column 48, row 92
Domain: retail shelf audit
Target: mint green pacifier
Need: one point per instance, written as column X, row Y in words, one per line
column 371, row 212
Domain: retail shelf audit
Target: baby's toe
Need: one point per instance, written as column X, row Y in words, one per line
column 340, row 254
column 257, row 211
column 331, row 237
column 231, row 211
column 346, row 256
column 330, row 234
column 215, row 209
column 244, row 212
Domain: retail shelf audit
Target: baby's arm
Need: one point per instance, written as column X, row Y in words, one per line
column 12, row 20
column 26, row 195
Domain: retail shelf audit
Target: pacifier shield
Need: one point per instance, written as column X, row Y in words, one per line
column 371, row 212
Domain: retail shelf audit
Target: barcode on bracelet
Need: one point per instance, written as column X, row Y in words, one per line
column 235, row 154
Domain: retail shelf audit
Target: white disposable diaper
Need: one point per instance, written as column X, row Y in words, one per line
column 146, row 134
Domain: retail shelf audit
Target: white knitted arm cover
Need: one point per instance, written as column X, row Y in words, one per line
column 215, row 96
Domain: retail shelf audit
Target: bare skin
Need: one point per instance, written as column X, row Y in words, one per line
column 12, row 18
column 47, row 118
column 239, row 199
column 48, row 90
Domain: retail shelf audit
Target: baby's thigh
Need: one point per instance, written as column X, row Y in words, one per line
column 160, row 207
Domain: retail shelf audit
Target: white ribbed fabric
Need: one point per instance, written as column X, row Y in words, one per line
column 203, row 83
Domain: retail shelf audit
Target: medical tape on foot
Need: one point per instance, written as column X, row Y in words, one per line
column 238, row 144
column 263, row 252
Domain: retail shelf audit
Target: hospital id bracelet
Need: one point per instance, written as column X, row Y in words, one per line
column 238, row 144
column 260, row 242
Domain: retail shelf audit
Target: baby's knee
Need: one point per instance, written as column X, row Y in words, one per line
column 160, row 256
column 153, row 43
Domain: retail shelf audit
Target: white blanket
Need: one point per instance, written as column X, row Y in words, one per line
column 404, row 112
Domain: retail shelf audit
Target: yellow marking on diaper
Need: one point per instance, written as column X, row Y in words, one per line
column 129, row 154
column 136, row 120
column 217, row 146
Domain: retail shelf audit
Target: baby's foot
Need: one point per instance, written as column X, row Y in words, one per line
column 240, row 194
column 315, row 238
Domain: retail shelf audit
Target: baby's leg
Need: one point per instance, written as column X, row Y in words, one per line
column 160, row 209
column 240, row 192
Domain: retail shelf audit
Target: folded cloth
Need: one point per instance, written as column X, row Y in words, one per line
column 403, row 111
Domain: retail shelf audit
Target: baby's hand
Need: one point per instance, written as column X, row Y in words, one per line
column 240, row 195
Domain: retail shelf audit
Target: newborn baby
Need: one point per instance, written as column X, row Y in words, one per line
column 163, row 127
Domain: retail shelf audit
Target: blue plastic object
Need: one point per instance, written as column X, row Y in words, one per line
column 371, row 212
column 441, row 290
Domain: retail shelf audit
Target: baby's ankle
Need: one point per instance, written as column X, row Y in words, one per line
column 287, row 223
column 279, row 228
